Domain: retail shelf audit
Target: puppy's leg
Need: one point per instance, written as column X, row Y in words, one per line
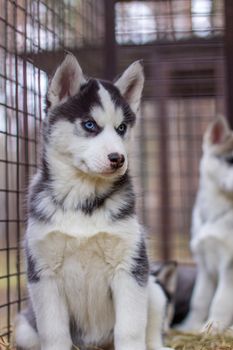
column 200, row 302
column 25, row 335
column 51, row 314
column 221, row 310
column 130, row 303
column 156, row 314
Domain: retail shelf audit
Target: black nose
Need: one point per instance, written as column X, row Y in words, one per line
column 117, row 160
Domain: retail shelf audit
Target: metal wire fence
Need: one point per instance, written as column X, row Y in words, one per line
column 182, row 44
column 28, row 28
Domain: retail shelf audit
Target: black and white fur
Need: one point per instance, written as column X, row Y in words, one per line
column 165, row 277
column 212, row 229
column 87, row 266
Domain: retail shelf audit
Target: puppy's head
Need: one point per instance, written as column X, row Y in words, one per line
column 89, row 121
column 217, row 160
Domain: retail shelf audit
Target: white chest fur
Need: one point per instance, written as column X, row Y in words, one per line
column 84, row 269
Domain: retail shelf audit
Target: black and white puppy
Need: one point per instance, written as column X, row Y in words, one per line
column 87, row 266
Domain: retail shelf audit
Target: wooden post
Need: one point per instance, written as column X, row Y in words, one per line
column 228, row 46
column 110, row 40
column 161, row 92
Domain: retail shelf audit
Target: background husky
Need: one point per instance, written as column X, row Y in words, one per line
column 212, row 228
column 86, row 258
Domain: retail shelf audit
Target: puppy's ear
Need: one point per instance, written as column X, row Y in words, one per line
column 217, row 132
column 167, row 276
column 66, row 81
column 131, row 84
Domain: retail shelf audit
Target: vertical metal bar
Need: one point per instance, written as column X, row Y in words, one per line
column 53, row 28
column 161, row 94
column 143, row 170
column 110, row 60
column 7, row 183
column 85, row 28
column 228, row 45
column 17, row 160
column 39, row 75
column 35, row 93
column 25, row 107
column 63, row 26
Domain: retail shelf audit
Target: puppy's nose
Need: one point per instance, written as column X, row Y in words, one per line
column 116, row 160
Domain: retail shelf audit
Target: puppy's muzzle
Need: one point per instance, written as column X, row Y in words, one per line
column 116, row 160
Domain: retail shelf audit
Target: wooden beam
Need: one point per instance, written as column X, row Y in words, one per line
column 110, row 40
column 228, row 41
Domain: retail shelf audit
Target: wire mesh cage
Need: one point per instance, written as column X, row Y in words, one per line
column 28, row 30
column 182, row 44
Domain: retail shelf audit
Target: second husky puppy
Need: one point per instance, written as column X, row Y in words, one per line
column 87, row 264
column 212, row 230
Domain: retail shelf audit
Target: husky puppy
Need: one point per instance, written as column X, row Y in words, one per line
column 87, row 264
column 212, row 229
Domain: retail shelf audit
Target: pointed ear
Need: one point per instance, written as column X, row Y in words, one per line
column 131, row 84
column 66, row 81
column 167, row 276
column 217, row 131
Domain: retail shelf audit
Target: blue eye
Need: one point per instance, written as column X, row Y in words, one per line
column 121, row 130
column 90, row 125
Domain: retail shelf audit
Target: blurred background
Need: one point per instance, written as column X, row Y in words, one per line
column 187, row 48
